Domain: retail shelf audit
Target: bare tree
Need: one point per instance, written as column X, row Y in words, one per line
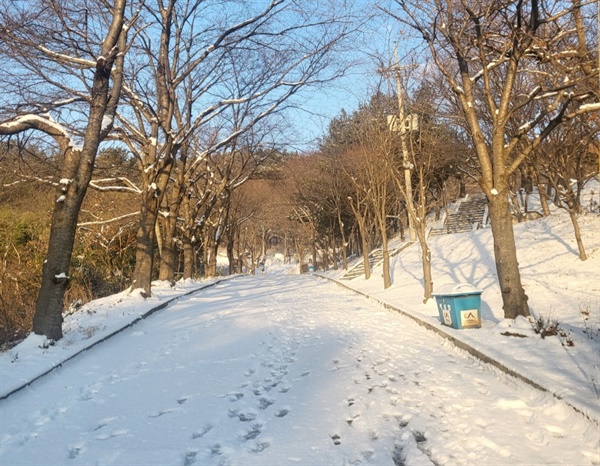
column 360, row 204
column 568, row 159
column 502, row 59
column 71, row 55
column 376, row 150
column 195, row 50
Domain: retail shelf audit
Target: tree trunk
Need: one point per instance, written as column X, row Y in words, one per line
column 334, row 253
column 300, row 253
column 365, row 251
column 344, row 241
column 425, row 262
column 144, row 252
column 186, row 239
column 263, row 246
column 188, row 257
column 209, row 255
column 77, row 172
column 505, row 252
column 462, row 191
column 168, row 256
column 387, row 279
column 230, row 255
column 214, row 266
column 421, row 230
column 48, row 315
column 543, row 197
column 575, row 222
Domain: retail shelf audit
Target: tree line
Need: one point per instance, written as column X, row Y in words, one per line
column 174, row 82
column 171, row 113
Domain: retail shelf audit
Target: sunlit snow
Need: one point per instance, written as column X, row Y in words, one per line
column 285, row 369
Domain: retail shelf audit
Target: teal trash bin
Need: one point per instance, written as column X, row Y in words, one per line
column 459, row 305
column 311, row 268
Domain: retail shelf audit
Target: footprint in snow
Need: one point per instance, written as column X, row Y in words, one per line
column 419, row 437
column 190, row 457
column 260, row 446
column 350, row 419
column 244, row 416
column 266, row 402
column 75, row 450
column 87, row 393
column 104, row 422
column 161, row 412
column 234, row 396
column 115, row 433
column 282, row 412
column 254, row 431
column 270, row 386
column 202, row 432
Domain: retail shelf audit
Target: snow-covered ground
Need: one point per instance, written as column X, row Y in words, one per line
column 561, row 289
column 281, row 369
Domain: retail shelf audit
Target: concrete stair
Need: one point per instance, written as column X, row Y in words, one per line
column 469, row 216
column 375, row 258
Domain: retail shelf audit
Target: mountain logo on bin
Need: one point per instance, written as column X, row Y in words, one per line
column 469, row 318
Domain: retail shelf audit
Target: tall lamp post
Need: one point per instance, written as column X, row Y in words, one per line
column 403, row 124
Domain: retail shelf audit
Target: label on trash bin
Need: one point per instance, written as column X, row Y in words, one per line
column 447, row 317
column 446, row 314
column 469, row 318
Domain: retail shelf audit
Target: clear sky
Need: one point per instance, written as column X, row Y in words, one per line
column 373, row 43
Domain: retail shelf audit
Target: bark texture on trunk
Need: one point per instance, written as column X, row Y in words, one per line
column 145, row 239
column 577, row 231
column 49, row 306
column 505, row 253
column 188, row 258
column 387, row 279
column 168, row 255
column 144, row 252
column 365, row 251
column 75, row 178
column 425, row 262
column 188, row 249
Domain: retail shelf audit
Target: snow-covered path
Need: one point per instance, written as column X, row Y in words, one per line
column 282, row 370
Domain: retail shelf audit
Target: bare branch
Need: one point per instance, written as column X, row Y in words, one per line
column 112, row 220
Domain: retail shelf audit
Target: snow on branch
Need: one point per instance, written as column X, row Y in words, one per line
column 26, row 178
column 129, row 188
column 82, row 63
column 490, row 66
column 111, row 220
column 32, row 121
column 586, row 108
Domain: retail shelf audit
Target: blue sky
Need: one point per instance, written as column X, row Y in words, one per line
column 374, row 42
column 318, row 107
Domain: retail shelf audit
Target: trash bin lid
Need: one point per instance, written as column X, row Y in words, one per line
column 456, row 289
